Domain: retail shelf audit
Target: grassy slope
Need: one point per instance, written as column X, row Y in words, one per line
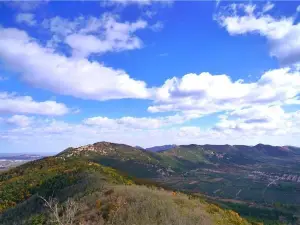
column 173, row 167
column 105, row 197
column 75, row 177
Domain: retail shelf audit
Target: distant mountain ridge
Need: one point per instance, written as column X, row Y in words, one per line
column 260, row 149
column 160, row 148
column 77, row 191
column 164, row 160
column 239, row 177
column 263, row 148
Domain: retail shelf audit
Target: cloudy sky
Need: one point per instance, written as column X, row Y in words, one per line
column 148, row 73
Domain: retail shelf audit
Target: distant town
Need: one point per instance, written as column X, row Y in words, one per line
column 9, row 160
column 283, row 177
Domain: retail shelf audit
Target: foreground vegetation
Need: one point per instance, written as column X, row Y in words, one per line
column 80, row 186
column 55, row 190
column 247, row 176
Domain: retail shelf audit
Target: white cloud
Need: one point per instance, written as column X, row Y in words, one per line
column 142, row 2
column 141, row 122
column 190, row 132
column 139, row 2
column 253, row 109
column 100, row 35
column 206, row 93
column 62, row 26
column 11, row 103
column 19, row 120
column 101, row 122
column 27, row 18
column 282, row 33
column 268, row 7
column 40, row 134
column 150, row 14
column 266, row 113
column 26, row 5
column 43, row 67
column 158, row 26
column 138, row 122
column 262, row 120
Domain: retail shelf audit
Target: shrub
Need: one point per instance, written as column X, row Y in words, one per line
column 127, row 205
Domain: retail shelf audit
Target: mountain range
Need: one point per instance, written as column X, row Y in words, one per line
column 260, row 183
column 160, row 148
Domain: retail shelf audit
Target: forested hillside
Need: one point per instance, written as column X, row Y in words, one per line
column 75, row 191
column 104, row 183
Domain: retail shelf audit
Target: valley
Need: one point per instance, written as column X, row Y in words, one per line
column 260, row 176
column 8, row 161
column 260, row 182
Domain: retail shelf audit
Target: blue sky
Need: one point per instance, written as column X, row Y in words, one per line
column 148, row 73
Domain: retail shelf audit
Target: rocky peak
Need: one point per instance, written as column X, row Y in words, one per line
column 102, row 148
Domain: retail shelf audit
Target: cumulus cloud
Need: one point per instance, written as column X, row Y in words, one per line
column 45, row 68
column 190, row 132
column 138, row 122
column 26, row 5
column 26, row 18
column 206, row 93
column 101, row 122
column 40, row 134
column 19, row 120
column 139, row 2
column 100, row 35
column 282, row 33
column 249, row 109
column 262, row 120
column 150, row 13
column 268, row 7
column 11, row 103
column 158, row 26
column 62, row 26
